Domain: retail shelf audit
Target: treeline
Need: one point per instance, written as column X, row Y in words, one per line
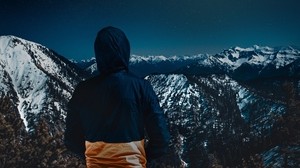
column 39, row 148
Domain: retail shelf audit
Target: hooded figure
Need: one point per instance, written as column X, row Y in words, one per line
column 109, row 115
column 112, row 50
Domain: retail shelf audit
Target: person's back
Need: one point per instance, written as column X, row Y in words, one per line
column 108, row 113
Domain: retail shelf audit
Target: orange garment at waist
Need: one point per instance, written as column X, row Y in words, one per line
column 102, row 154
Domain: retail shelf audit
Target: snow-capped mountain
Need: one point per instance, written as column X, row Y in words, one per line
column 207, row 65
column 38, row 80
column 260, row 56
column 246, row 64
column 200, row 108
column 145, row 65
column 261, row 62
column 240, row 63
column 89, row 66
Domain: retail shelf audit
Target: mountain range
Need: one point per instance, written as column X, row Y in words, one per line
column 222, row 107
column 239, row 63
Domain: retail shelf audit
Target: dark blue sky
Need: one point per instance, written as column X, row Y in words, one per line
column 154, row 27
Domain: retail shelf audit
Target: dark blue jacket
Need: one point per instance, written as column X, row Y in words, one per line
column 116, row 106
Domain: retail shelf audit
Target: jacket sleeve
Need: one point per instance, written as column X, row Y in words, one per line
column 74, row 135
column 156, row 126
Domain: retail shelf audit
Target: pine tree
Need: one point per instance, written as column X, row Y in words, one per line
column 40, row 148
column 12, row 132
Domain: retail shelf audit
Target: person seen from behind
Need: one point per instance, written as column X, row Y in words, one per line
column 110, row 114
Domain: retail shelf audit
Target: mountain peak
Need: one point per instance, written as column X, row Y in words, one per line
column 32, row 76
column 15, row 39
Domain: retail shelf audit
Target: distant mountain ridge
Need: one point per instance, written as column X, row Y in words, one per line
column 145, row 65
column 261, row 62
column 252, row 63
column 240, row 63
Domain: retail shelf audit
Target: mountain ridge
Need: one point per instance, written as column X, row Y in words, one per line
column 260, row 61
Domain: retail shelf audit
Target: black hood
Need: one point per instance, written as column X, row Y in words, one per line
column 112, row 50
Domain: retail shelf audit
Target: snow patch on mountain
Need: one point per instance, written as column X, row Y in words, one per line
column 177, row 85
column 275, row 158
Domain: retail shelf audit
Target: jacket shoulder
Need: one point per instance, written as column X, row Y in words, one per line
column 88, row 82
column 83, row 88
